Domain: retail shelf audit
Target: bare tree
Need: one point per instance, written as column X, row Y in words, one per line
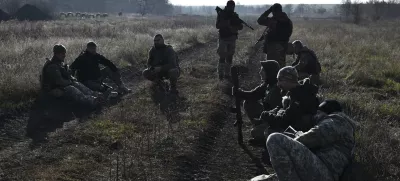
column 356, row 12
column 10, row 6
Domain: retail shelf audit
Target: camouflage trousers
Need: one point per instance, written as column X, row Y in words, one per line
column 80, row 94
column 96, row 85
column 226, row 50
column 292, row 161
column 276, row 51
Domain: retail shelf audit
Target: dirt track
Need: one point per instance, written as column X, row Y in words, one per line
column 214, row 155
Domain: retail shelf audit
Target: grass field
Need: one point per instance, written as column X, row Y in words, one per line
column 361, row 68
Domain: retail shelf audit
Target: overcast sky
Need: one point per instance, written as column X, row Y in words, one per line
column 250, row 2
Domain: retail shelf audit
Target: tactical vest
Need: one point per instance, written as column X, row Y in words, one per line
column 312, row 67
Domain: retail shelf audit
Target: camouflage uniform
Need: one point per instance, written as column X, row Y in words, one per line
column 307, row 65
column 57, row 82
column 228, row 24
column 322, row 153
column 165, row 57
column 90, row 74
column 277, row 39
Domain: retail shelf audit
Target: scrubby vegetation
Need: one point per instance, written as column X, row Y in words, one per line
column 134, row 140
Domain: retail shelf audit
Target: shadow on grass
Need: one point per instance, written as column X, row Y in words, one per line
column 48, row 114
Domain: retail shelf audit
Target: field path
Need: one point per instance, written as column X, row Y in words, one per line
column 213, row 155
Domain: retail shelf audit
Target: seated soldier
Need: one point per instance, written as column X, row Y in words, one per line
column 57, row 82
column 268, row 92
column 162, row 63
column 306, row 63
column 321, row 153
column 89, row 73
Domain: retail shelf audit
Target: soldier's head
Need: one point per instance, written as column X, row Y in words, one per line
column 158, row 40
column 269, row 70
column 297, row 46
column 59, row 52
column 276, row 8
column 91, row 47
column 230, row 6
column 287, row 78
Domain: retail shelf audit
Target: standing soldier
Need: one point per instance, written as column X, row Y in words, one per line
column 229, row 24
column 306, row 63
column 280, row 29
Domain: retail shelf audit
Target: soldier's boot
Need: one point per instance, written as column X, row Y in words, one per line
column 221, row 69
column 271, row 177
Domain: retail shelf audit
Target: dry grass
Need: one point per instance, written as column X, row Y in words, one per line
column 25, row 46
column 360, row 68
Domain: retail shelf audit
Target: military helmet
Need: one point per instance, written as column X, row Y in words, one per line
column 276, row 7
column 91, row 44
column 59, row 49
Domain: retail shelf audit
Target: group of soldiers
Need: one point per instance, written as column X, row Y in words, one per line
column 83, row 82
column 303, row 138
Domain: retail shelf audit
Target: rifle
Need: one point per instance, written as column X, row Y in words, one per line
column 218, row 9
column 239, row 121
column 262, row 37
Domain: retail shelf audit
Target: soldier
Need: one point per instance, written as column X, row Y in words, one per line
column 298, row 106
column 268, row 92
column 90, row 74
column 228, row 24
column 162, row 63
column 57, row 82
column 280, row 29
column 306, row 63
column 321, row 153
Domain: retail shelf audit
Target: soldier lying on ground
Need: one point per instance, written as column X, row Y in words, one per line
column 321, row 153
column 228, row 24
column 90, row 74
column 56, row 81
column 306, row 63
column 298, row 106
column 280, row 30
column 268, row 92
column 162, row 63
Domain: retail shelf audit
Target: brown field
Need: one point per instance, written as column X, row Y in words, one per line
column 360, row 63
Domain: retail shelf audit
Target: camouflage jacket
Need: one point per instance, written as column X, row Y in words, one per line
column 228, row 24
column 163, row 56
column 280, row 27
column 55, row 75
column 269, row 93
column 307, row 62
column 302, row 105
column 332, row 140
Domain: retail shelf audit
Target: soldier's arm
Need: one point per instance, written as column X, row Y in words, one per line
column 264, row 19
column 255, row 94
column 274, row 98
column 104, row 61
column 171, row 59
column 56, row 77
column 75, row 65
column 303, row 61
column 150, row 58
column 238, row 24
column 325, row 133
column 285, row 119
